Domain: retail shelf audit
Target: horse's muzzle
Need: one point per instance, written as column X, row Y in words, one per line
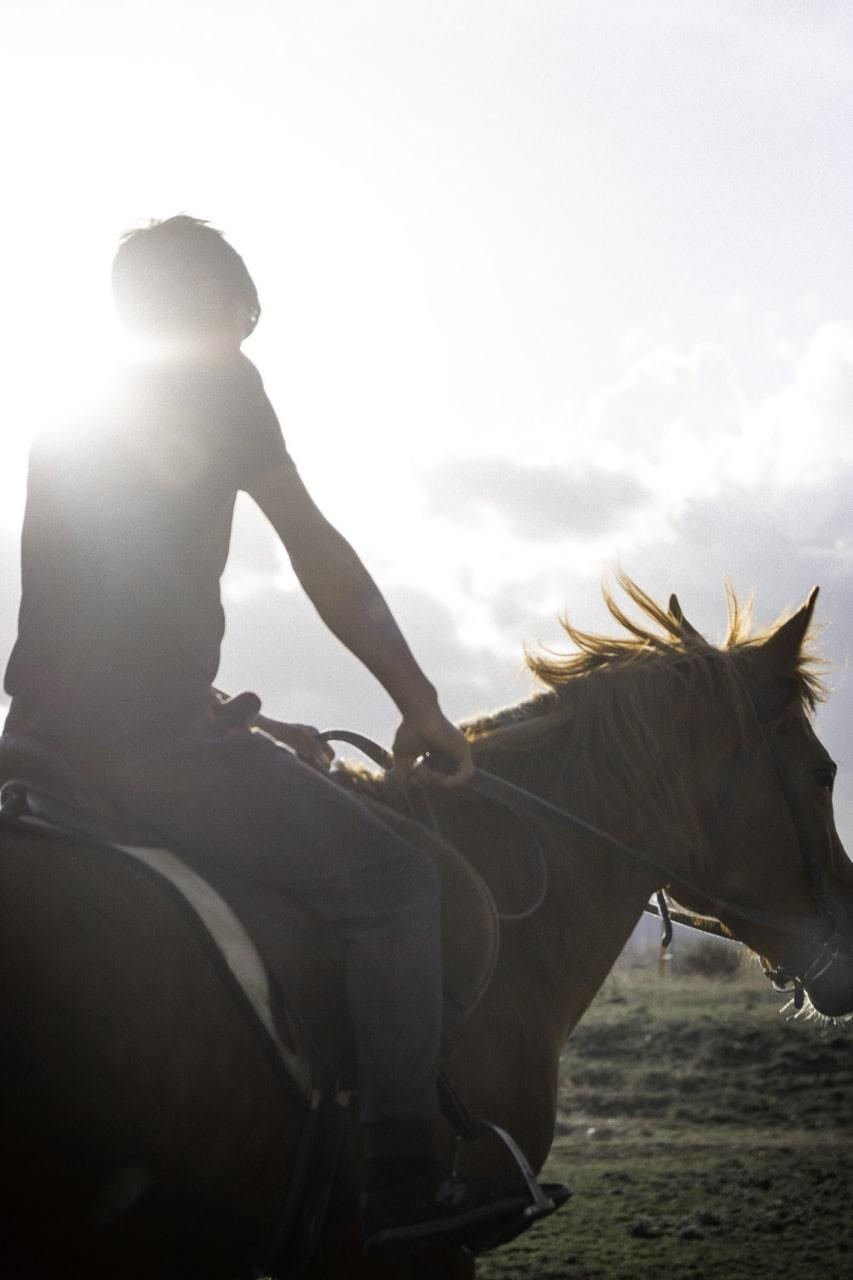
column 829, row 983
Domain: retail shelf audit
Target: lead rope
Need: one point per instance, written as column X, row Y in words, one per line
column 666, row 919
column 422, row 811
column 385, row 760
column 506, row 917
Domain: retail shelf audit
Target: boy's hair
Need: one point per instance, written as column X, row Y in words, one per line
column 173, row 275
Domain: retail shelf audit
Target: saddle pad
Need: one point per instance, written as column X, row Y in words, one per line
column 234, row 944
column 305, row 960
column 262, row 936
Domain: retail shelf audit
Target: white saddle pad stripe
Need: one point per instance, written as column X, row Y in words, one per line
column 237, row 948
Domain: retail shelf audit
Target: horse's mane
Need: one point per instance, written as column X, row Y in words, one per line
column 675, row 641
column 614, row 728
column 623, row 713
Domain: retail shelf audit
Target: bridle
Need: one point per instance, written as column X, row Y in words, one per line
column 830, row 949
column 525, row 803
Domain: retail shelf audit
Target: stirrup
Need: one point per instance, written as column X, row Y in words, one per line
column 545, row 1198
column 558, row 1194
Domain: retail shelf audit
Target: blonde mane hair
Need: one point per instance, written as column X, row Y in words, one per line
column 619, row 720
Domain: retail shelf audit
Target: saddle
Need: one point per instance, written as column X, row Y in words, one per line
column 286, row 945
column 279, row 960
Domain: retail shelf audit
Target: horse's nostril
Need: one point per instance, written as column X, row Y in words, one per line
column 784, row 982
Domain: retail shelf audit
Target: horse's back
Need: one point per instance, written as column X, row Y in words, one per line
column 148, row 1102
column 138, row 1086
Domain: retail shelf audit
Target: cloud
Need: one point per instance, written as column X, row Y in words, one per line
column 801, row 433
column 538, row 503
column 676, row 422
column 664, row 393
column 671, row 431
column 776, row 550
column 680, row 477
column 276, row 645
column 755, row 489
column 767, row 505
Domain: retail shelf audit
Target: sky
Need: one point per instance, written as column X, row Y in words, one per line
column 549, row 288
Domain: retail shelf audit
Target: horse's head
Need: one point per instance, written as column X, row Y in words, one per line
column 782, row 880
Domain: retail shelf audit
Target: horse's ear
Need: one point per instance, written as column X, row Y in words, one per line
column 782, row 649
column 688, row 632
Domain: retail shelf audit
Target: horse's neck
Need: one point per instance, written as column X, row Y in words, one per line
column 560, row 955
column 596, row 903
column 550, row 964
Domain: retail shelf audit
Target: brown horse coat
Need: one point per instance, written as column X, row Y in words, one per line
column 132, row 1070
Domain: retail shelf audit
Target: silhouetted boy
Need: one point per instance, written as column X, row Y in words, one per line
column 125, row 538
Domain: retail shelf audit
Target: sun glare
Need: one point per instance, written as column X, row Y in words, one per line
column 60, row 361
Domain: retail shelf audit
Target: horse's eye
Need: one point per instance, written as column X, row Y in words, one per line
column 825, row 776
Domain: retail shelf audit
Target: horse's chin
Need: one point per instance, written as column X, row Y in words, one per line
column 830, row 990
column 832, row 993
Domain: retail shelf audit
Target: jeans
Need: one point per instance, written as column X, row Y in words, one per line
column 234, row 798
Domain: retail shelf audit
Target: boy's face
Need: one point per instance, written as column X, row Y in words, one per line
column 227, row 329
column 217, row 334
column 223, row 322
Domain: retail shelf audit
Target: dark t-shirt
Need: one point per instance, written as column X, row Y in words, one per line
column 125, row 538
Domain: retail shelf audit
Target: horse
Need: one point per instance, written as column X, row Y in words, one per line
column 686, row 767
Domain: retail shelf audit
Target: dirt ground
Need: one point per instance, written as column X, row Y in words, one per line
column 704, row 1134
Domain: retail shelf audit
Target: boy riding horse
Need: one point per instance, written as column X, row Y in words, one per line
column 125, row 538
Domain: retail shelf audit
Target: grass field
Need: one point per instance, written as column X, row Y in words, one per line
column 704, row 1134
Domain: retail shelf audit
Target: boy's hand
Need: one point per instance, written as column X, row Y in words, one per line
column 430, row 732
column 304, row 739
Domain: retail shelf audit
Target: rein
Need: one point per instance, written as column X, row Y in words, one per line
column 513, row 798
column 522, row 802
column 519, row 801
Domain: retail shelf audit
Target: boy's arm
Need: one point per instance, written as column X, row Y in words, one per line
column 352, row 607
column 243, row 711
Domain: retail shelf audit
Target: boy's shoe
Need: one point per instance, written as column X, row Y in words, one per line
column 437, row 1208
column 484, row 1239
